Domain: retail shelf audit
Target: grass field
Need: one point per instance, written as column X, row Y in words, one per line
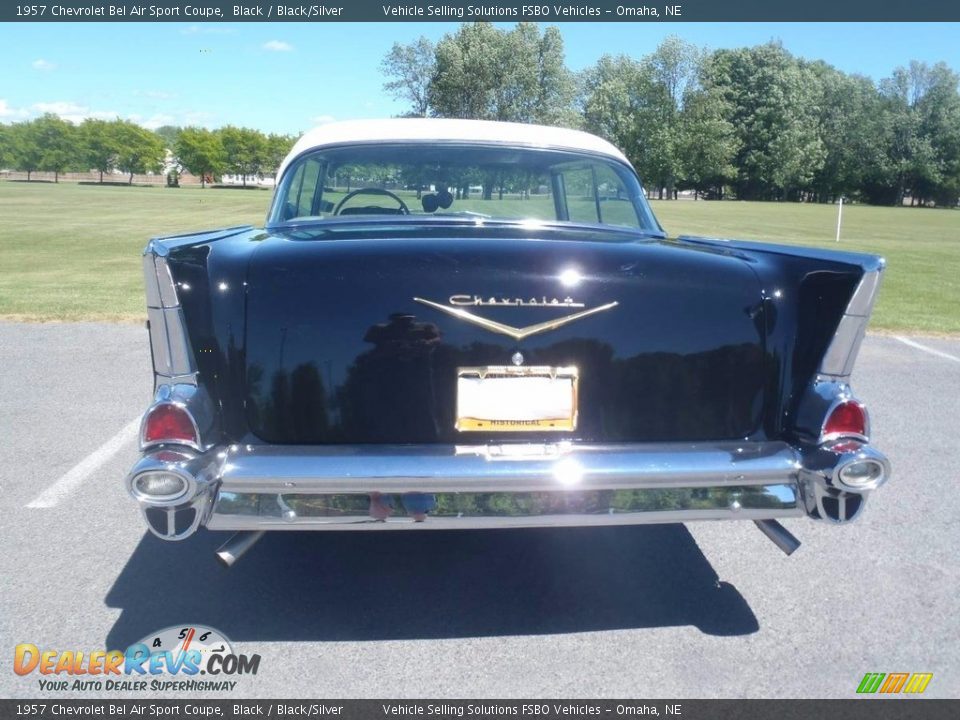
column 71, row 252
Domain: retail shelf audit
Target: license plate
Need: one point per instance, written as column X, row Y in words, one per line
column 516, row 399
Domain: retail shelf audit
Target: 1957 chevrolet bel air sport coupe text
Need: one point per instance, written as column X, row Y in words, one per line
column 463, row 324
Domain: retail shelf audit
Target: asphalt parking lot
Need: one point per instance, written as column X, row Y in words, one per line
column 705, row 610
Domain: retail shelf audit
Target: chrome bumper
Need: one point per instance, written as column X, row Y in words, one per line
column 258, row 487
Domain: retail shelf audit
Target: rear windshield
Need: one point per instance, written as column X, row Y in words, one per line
column 480, row 182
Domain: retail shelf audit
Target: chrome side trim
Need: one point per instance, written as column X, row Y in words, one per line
column 173, row 359
column 841, row 354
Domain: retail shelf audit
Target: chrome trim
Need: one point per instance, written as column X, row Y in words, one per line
column 443, row 468
column 823, row 465
column 509, row 330
column 173, row 359
column 168, row 290
column 271, row 487
column 841, row 353
column 199, row 470
column 557, row 507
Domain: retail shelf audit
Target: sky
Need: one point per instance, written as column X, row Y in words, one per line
column 289, row 77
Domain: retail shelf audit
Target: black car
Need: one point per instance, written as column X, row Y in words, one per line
column 464, row 324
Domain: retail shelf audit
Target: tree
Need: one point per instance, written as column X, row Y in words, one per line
column 56, row 141
column 277, row 148
column 138, row 149
column 99, row 142
column 168, row 135
column 623, row 103
column 411, row 68
column 201, row 152
column 775, row 107
column 244, row 151
column 707, row 144
column 25, row 150
column 484, row 73
column 6, row 145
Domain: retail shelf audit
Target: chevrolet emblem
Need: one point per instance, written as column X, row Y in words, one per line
column 514, row 332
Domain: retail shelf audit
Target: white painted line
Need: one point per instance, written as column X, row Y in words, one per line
column 932, row 351
column 74, row 477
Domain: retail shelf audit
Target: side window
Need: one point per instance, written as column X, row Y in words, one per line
column 616, row 205
column 302, row 190
column 581, row 203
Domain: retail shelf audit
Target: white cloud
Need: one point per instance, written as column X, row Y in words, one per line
column 210, row 29
column 155, row 94
column 10, row 112
column 44, row 65
column 323, row 119
column 157, row 120
column 72, row 112
column 277, row 46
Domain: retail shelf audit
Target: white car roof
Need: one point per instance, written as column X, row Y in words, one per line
column 422, row 129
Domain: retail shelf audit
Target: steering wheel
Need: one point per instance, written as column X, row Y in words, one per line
column 404, row 210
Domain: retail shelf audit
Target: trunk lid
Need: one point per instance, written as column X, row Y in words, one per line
column 340, row 351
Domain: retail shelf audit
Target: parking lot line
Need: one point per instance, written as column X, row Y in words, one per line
column 932, row 351
column 85, row 468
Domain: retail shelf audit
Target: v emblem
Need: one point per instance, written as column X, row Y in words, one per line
column 515, row 333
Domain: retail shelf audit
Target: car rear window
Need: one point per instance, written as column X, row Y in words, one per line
column 478, row 182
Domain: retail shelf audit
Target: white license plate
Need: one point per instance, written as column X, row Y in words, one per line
column 516, row 399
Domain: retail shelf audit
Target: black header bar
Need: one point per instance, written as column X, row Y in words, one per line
column 473, row 10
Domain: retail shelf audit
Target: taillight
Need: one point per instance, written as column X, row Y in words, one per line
column 847, row 420
column 169, row 423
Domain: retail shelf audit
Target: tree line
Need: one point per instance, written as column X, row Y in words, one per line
column 753, row 123
column 50, row 144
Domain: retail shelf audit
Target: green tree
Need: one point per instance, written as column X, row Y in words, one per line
column 615, row 101
column 277, row 148
column 56, row 139
column 25, row 150
column 6, row 146
column 168, row 135
column 485, row 73
column 707, row 144
column 201, row 152
column 244, row 150
column 410, row 69
column 138, row 149
column 98, row 140
column 774, row 101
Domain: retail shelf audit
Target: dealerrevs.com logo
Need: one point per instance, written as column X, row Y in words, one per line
column 170, row 660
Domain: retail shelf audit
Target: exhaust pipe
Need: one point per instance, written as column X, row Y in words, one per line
column 237, row 546
column 780, row 536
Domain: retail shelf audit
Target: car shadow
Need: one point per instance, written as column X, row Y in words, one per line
column 328, row 586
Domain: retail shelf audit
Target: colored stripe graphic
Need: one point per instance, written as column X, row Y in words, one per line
column 894, row 682
column 918, row 683
column 870, row 682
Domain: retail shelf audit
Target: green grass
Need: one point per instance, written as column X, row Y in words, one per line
column 71, row 252
column 921, row 286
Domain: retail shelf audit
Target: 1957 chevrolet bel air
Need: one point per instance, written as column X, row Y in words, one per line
column 463, row 324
